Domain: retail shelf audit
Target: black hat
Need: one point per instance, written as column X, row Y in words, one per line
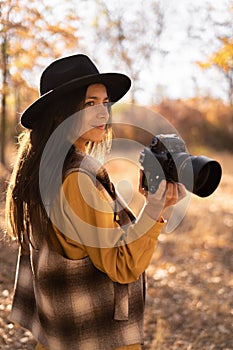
column 68, row 73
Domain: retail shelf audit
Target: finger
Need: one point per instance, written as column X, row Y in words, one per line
column 160, row 193
column 171, row 194
column 175, row 192
column 181, row 191
column 171, row 190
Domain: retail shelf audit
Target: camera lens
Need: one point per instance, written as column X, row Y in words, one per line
column 167, row 158
column 206, row 175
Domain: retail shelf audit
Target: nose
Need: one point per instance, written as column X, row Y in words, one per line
column 102, row 111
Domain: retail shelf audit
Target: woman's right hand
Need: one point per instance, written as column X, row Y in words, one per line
column 167, row 194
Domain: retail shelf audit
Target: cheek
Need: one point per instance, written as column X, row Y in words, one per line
column 85, row 123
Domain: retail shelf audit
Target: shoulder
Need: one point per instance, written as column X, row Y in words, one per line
column 82, row 184
column 78, row 177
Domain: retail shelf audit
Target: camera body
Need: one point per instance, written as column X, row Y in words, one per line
column 166, row 158
column 165, row 148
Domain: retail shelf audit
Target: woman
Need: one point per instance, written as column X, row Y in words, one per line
column 82, row 256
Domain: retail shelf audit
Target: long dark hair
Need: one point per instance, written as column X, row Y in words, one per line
column 25, row 209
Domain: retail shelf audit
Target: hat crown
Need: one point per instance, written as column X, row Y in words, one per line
column 68, row 74
column 65, row 70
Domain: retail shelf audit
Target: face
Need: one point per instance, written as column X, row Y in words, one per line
column 95, row 116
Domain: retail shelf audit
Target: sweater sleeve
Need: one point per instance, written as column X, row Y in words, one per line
column 84, row 224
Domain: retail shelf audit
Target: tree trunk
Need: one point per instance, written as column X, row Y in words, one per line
column 3, row 102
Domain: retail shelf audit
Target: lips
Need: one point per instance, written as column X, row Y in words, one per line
column 100, row 127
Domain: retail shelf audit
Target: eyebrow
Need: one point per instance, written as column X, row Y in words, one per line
column 95, row 98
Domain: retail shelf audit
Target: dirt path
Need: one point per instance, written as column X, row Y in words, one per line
column 190, row 280
column 190, row 284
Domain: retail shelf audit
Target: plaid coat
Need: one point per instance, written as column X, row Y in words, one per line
column 71, row 305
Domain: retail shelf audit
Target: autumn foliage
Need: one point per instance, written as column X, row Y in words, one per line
column 203, row 122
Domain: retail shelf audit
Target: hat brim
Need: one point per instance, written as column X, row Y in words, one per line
column 117, row 85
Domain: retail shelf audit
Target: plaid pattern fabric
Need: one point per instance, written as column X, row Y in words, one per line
column 71, row 305
column 24, row 309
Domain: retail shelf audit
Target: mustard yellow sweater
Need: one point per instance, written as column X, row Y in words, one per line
column 124, row 263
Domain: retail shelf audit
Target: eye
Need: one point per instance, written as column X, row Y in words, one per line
column 89, row 104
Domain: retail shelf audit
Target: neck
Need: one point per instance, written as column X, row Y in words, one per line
column 80, row 146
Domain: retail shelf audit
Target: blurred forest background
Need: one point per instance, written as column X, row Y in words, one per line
column 141, row 40
column 179, row 55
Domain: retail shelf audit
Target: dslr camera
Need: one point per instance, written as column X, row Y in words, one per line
column 166, row 158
